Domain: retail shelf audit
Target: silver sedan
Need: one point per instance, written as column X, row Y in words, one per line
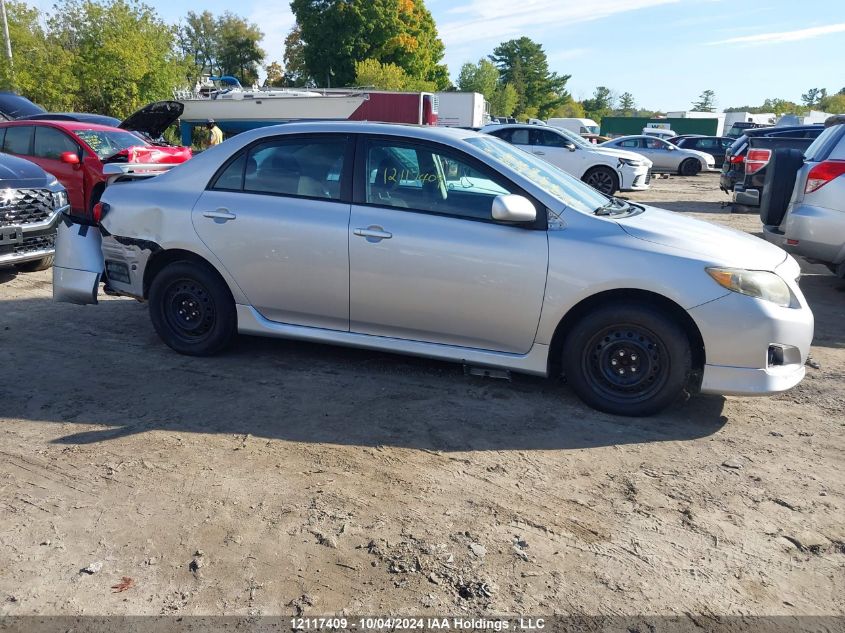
column 665, row 156
column 448, row 244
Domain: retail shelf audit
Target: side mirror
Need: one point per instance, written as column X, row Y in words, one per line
column 513, row 208
column 69, row 158
column 569, row 146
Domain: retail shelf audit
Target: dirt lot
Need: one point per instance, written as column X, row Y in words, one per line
column 285, row 476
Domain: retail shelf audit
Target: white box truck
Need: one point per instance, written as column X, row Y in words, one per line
column 462, row 109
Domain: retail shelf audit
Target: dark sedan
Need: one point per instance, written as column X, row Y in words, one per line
column 714, row 145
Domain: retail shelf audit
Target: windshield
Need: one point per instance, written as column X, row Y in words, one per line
column 569, row 190
column 105, row 143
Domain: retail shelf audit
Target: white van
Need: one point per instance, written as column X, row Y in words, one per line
column 579, row 126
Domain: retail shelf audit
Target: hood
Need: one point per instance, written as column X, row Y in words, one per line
column 154, row 118
column 722, row 246
column 619, row 153
column 16, row 173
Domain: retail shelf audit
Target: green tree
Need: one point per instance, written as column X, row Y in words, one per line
column 119, row 52
column 275, row 74
column 627, row 105
column 706, row 102
column 372, row 73
column 504, row 100
column 814, row 96
column 523, row 64
column 571, row 109
column 482, row 77
column 296, row 72
column 600, row 105
column 226, row 45
column 338, row 33
column 835, row 104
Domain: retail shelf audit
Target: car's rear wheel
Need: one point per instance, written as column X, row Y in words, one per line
column 628, row 359
column 690, row 167
column 191, row 309
column 603, row 179
column 35, row 265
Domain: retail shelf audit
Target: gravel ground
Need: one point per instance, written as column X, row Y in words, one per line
column 286, row 477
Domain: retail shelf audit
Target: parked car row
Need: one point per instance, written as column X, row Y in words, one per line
column 665, row 156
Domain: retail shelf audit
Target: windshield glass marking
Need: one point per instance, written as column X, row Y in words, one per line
column 556, row 182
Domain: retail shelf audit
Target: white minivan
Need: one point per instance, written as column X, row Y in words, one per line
column 605, row 169
column 578, row 126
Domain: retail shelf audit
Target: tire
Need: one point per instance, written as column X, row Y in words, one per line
column 690, row 167
column 603, row 179
column 778, row 184
column 35, row 265
column 627, row 337
column 192, row 309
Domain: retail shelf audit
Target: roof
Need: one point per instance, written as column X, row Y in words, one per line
column 71, row 126
column 422, row 132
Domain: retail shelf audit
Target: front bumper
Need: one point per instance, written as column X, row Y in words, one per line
column 634, row 178
column 817, row 233
column 38, row 242
column 740, row 334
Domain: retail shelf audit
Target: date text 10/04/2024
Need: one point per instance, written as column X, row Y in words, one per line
column 417, row 624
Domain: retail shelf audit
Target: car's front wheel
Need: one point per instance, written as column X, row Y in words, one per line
column 690, row 167
column 603, row 179
column 628, row 359
column 191, row 309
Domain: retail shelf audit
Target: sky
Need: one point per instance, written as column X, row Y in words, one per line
column 664, row 52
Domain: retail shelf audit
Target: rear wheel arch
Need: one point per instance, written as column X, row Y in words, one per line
column 610, row 297
column 159, row 260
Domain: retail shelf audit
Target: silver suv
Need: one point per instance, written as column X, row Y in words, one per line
column 31, row 201
column 814, row 222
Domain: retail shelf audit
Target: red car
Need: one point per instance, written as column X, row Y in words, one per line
column 75, row 152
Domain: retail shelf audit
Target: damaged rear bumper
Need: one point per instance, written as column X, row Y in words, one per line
column 78, row 265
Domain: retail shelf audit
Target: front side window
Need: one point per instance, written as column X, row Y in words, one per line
column 631, row 142
column 310, row 168
column 18, row 139
column 419, row 177
column 519, row 137
column 545, row 138
column 52, row 143
column 656, row 143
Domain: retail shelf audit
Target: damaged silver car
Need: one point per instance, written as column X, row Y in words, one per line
column 448, row 244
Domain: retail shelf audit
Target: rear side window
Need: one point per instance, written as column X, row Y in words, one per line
column 52, row 143
column 311, row 168
column 18, row 139
column 824, row 144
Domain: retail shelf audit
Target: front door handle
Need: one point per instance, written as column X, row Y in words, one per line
column 373, row 233
column 219, row 214
column 540, row 153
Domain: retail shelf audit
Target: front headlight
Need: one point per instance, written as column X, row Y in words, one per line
column 59, row 199
column 754, row 283
column 631, row 162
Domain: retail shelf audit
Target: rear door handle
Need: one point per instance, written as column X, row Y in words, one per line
column 540, row 153
column 373, row 233
column 219, row 214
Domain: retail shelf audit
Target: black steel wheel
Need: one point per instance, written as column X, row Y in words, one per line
column 602, row 179
column 628, row 359
column 191, row 309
